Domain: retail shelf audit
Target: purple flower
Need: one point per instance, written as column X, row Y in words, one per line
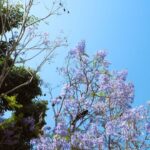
column 61, row 129
column 122, row 74
column 148, row 127
column 79, row 50
column 101, row 55
column 107, row 96
column 29, row 121
column 81, row 47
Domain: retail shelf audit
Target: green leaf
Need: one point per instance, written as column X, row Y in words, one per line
column 101, row 94
column 11, row 100
column 67, row 138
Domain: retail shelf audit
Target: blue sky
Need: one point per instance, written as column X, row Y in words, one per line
column 122, row 27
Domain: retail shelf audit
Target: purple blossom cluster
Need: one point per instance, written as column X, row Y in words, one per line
column 94, row 109
column 30, row 122
column 79, row 50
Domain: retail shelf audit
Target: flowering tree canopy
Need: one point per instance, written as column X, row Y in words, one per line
column 93, row 110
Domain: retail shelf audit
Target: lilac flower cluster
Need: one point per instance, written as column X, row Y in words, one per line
column 79, row 50
column 93, row 110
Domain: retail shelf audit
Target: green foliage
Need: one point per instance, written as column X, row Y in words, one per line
column 12, row 103
column 28, row 113
column 99, row 94
column 16, row 77
column 21, row 102
column 11, row 16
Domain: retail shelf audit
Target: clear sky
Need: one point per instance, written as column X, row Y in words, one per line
column 122, row 27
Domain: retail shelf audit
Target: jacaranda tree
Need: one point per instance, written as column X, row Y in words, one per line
column 94, row 109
